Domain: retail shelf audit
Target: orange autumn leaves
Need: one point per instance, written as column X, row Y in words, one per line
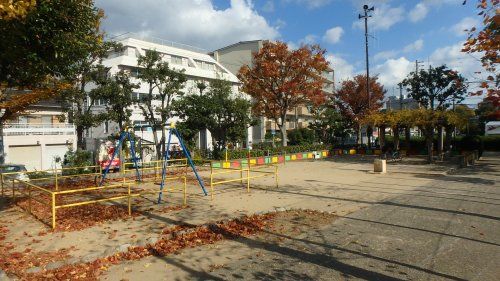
column 281, row 79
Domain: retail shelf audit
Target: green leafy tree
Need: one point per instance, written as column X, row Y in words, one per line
column 117, row 92
column 220, row 111
column 329, row 124
column 164, row 84
column 40, row 42
column 437, row 87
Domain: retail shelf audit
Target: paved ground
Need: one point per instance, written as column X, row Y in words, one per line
column 416, row 222
column 427, row 226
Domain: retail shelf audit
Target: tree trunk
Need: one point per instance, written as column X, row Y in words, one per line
column 163, row 139
column 2, row 150
column 157, row 143
column 284, row 139
column 440, row 141
column 382, row 136
column 80, row 141
column 359, row 139
column 429, row 139
column 449, row 136
column 369, row 133
column 408, row 139
column 395, row 132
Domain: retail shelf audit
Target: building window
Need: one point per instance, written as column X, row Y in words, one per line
column 176, row 60
column 99, row 102
column 47, row 119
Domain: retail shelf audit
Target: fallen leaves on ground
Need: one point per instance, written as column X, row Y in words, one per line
column 79, row 217
column 191, row 236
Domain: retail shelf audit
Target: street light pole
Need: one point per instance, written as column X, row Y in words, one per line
column 365, row 17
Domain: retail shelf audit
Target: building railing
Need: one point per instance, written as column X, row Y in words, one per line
column 23, row 129
column 156, row 40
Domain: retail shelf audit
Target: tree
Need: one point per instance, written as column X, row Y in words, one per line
column 354, row 103
column 79, row 102
column 437, row 87
column 225, row 115
column 486, row 42
column 117, row 93
column 426, row 120
column 280, row 80
column 164, row 84
column 329, row 124
column 40, row 41
column 10, row 9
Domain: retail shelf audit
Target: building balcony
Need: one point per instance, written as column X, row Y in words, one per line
column 18, row 129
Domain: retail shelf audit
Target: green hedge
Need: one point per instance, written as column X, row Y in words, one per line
column 491, row 143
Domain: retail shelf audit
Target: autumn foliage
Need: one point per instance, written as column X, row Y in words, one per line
column 281, row 79
column 353, row 101
column 486, row 42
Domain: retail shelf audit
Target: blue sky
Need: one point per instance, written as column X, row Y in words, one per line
column 400, row 31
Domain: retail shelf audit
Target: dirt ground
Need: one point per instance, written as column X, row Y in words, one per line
column 302, row 185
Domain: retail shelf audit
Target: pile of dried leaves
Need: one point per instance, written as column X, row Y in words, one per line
column 179, row 237
column 79, row 217
column 16, row 262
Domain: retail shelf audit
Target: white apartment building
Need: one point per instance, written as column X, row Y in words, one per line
column 197, row 65
column 38, row 139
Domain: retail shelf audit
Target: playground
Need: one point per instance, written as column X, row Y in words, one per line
column 97, row 228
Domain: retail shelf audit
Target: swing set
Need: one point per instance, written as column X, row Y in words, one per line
column 172, row 130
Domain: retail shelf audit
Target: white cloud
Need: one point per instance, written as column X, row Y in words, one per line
column 419, row 12
column 466, row 23
column 195, row 22
column 308, row 39
column 384, row 55
column 382, row 18
column 311, row 4
column 393, row 71
column 455, row 59
column 268, row 6
column 343, row 70
column 292, row 45
column 415, row 46
column 333, row 35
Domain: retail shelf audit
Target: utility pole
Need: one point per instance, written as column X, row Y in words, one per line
column 417, row 63
column 365, row 17
column 400, row 96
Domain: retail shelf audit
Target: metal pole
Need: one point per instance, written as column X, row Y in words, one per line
column 400, row 96
column 366, row 9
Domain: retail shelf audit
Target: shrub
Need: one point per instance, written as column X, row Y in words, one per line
column 470, row 143
column 491, row 143
column 302, row 136
column 77, row 159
